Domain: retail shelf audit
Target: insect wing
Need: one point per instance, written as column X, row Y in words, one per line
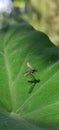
column 29, row 65
column 27, row 73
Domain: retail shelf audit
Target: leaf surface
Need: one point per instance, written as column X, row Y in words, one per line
column 18, row 46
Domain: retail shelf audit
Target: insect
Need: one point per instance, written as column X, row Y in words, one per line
column 34, row 81
column 30, row 71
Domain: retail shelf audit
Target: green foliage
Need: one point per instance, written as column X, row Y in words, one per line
column 19, row 45
column 18, row 3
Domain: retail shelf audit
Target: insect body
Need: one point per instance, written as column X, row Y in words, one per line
column 31, row 71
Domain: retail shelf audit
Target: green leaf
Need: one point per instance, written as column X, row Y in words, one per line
column 19, row 45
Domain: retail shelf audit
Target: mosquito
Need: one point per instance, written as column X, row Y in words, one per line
column 30, row 71
column 34, row 81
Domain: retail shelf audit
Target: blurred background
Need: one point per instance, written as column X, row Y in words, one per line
column 43, row 15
